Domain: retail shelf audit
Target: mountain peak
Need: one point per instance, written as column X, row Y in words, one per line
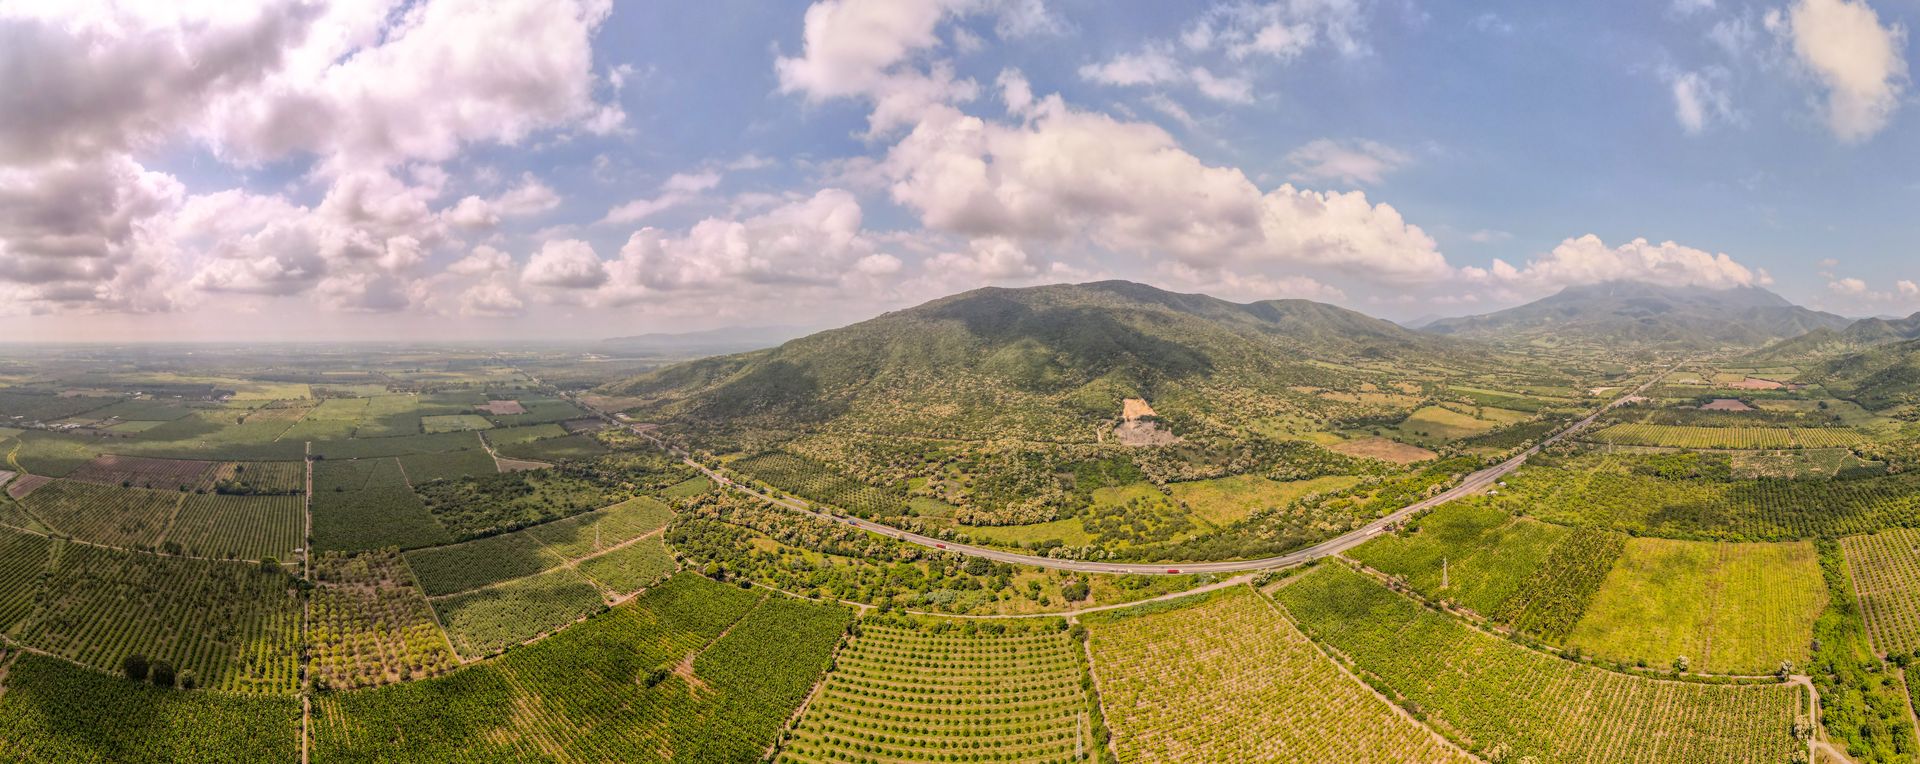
column 1639, row 313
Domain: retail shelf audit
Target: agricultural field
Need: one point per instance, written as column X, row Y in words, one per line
column 232, row 624
column 140, row 472
column 1682, row 496
column 454, row 423
column 485, row 621
column 1226, row 677
column 1886, row 573
column 54, row 711
column 133, row 518
column 446, row 465
column 1488, row 693
column 1222, row 501
column 1729, row 608
column 705, row 670
column 237, row 527
column 1486, row 556
column 815, row 481
column 366, row 504
column 930, row 691
column 628, row 569
column 22, row 557
column 562, row 448
column 369, row 625
column 1677, row 436
column 472, row 564
column 488, row 504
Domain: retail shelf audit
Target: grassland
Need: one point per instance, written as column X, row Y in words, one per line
column 1729, row 608
column 52, row 711
column 706, row 671
column 918, row 691
column 1228, row 678
column 1885, row 568
column 1488, row 692
column 1223, row 501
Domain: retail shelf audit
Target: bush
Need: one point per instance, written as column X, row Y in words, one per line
column 162, row 674
column 136, row 667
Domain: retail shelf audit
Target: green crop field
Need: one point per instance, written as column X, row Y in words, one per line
column 238, row 527
column 1681, row 436
column 22, row 557
column 473, row 564
column 935, row 691
column 124, row 517
column 1701, row 508
column 1229, row 499
column 1488, row 555
column 368, row 624
column 628, row 569
column 1729, row 608
column 485, row 621
column 365, row 504
column 231, row 623
column 1886, row 573
column 1492, row 692
column 553, row 449
column 654, row 674
column 810, row 479
column 447, row 465
column 53, row 711
column 454, row 423
column 1228, row 678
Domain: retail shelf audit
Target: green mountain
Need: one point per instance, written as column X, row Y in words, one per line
column 1617, row 314
column 1050, row 363
column 1860, row 335
column 1878, row 378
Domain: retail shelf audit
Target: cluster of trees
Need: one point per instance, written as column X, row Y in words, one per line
column 161, row 673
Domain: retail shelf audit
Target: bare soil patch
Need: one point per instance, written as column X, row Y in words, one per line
column 1727, row 404
column 503, row 408
column 27, row 484
column 577, row 426
column 1756, row 383
column 1135, row 432
column 1384, row 450
column 1135, row 408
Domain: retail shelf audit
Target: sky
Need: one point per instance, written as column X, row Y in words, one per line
column 539, row 169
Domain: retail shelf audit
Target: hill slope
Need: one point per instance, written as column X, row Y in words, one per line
column 1045, row 363
column 1632, row 313
column 1878, row 378
column 1860, row 335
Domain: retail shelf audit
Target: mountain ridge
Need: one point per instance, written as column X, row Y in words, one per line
column 1638, row 313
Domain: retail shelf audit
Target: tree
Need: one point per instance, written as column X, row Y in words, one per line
column 162, row 674
column 188, row 681
column 136, row 667
column 1680, row 664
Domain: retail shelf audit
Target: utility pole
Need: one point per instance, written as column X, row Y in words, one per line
column 1443, row 572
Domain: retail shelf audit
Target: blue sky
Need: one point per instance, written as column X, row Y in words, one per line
column 533, row 169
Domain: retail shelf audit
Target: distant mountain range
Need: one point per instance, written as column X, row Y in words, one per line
column 732, row 339
column 1826, row 343
column 1638, row 314
column 1042, row 361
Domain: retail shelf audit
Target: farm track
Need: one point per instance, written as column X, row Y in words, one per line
column 1470, row 485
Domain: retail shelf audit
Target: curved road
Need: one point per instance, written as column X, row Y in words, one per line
column 1472, row 484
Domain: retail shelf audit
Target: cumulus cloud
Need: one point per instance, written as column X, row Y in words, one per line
column 1588, row 260
column 1859, row 61
column 530, row 198
column 86, row 234
column 491, row 299
column 817, row 241
column 1281, row 30
column 1128, row 186
column 1351, row 162
column 1247, row 287
column 565, row 264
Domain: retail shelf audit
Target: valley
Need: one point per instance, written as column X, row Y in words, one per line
column 436, row 553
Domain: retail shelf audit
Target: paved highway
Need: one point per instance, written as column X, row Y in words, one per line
column 1472, row 484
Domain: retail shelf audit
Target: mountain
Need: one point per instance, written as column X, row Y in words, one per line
column 1877, row 378
column 732, row 339
column 1633, row 313
column 1860, row 335
column 1047, row 362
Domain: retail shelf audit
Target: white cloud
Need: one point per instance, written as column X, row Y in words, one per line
column 813, row 242
column 482, row 261
column 1907, row 288
column 565, row 264
column 1128, row 186
column 1858, row 61
column 1690, row 7
column 1248, row 287
column 1488, row 236
column 1152, row 66
column 1588, row 260
column 1281, row 30
column 491, row 299
column 87, row 235
column 1847, row 286
column 1351, row 162
column 1700, row 98
column 530, row 198
column 677, row 190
